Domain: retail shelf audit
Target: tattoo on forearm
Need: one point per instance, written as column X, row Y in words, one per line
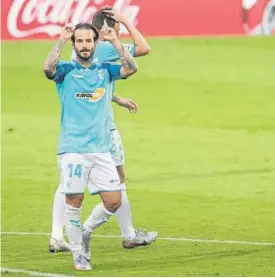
column 127, row 60
column 52, row 59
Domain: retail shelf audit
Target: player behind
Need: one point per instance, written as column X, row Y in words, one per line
column 84, row 143
column 131, row 238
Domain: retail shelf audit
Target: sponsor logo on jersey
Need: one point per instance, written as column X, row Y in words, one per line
column 93, row 97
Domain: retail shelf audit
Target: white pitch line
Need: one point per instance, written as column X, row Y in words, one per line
column 33, row 273
column 162, row 238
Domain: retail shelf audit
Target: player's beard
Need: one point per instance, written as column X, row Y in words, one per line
column 82, row 58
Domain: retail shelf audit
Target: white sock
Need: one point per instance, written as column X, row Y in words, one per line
column 58, row 214
column 124, row 217
column 73, row 228
column 99, row 216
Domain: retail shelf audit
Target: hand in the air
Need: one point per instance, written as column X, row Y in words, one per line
column 107, row 33
column 67, row 32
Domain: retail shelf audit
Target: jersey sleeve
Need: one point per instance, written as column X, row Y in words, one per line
column 131, row 48
column 62, row 69
column 114, row 70
column 109, row 53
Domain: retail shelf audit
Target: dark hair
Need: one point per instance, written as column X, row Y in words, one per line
column 99, row 16
column 86, row 26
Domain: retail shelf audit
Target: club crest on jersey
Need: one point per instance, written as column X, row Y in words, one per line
column 93, row 97
column 101, row 74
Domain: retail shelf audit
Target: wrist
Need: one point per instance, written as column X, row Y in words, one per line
column 118, row 100
column 116, row 42
column 125, row 21
column 114, row 99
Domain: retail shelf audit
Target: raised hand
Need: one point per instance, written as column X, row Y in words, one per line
column 67, row 32
column 118, row 17
column 107, row 33
column 53, row 57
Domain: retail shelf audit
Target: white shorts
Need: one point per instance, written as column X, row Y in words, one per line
column 95, row 170
column 117, row 150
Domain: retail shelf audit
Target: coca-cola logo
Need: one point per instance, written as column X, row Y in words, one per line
column 29, row 17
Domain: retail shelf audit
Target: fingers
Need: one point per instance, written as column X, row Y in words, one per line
column 108, row 12
column 105, row 25
column 68, row 28
column 132, row 107
column 111, row 14
column 68, row 24
column 105, row 29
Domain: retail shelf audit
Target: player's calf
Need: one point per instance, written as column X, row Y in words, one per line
column 100, row 215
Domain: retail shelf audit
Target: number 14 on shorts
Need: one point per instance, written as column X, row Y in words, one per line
column 75, row 170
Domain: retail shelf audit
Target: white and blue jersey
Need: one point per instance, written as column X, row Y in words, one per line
column 106, row 52
column 85, row 104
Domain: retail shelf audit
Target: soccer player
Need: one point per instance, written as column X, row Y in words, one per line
column 131, row 238
column 84, row 155
column 104, row 52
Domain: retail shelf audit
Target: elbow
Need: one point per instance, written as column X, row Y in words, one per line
column 130, row 72
column 134, row 70
column 46, row 68
column 147, row 49
column 142, row 51
column 48, row 72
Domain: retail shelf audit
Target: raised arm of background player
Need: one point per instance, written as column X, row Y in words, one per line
column 129, row 65
column 53, row 57
column 141, row 46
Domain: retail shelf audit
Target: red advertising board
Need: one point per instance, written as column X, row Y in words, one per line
column 42, row 19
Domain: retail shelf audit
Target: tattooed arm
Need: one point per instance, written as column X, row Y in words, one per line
column 141, row 45
column 129, row 65
column 52, row 59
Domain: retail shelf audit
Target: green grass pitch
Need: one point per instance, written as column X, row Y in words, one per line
column 199, row 159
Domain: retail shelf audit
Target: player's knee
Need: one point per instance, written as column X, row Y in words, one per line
column 113, row 203
column 74, row 200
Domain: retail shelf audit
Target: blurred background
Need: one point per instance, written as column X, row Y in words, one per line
column 199, row 154
column 30, row 19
